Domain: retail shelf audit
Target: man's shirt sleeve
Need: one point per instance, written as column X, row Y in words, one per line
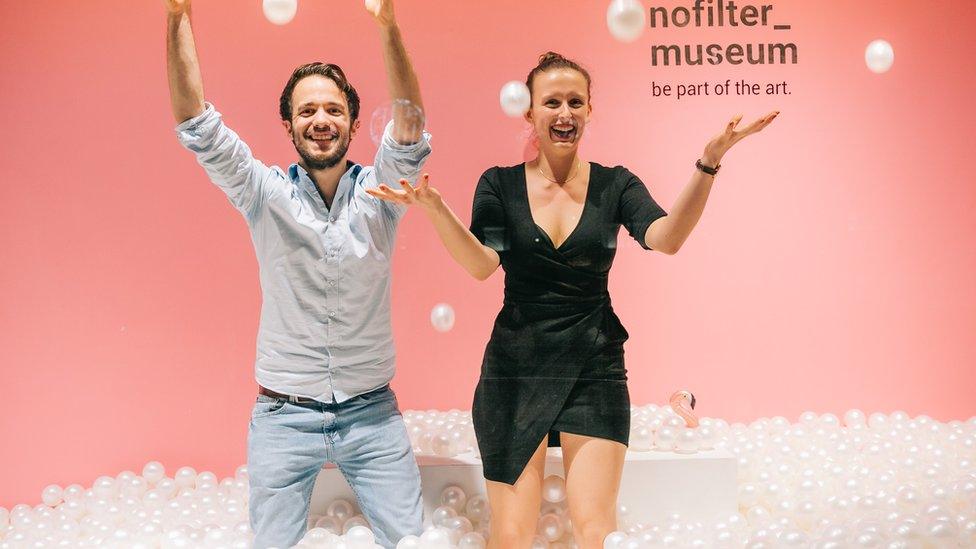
column 226, row 158
column 395, row 161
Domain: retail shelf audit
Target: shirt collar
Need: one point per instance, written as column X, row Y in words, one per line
column 300, row 177
column 297, row 173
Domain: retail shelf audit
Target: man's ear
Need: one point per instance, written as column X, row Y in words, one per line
column 287, row 126
column 354, row 129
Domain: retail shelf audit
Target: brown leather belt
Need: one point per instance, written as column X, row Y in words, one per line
column 290, row 398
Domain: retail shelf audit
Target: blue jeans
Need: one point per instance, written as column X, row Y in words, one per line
column 365, row 437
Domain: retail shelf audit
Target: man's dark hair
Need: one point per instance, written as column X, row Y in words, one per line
column 328, row 70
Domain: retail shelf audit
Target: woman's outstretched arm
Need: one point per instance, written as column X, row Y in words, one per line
column 668, row 234
column 479, row 260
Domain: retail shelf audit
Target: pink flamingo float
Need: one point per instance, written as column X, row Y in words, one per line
column 683, row 402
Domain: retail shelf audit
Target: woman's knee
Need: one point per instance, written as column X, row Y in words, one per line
column 512, row 532
column 593, row 528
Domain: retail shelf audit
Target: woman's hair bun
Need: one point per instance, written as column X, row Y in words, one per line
column 549, row 57
column 552, row 61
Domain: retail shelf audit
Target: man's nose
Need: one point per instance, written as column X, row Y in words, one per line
column 320, row 120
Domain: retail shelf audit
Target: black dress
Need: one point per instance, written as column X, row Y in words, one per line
column 555, row 358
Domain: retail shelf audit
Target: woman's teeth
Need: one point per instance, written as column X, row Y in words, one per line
column 563, row 132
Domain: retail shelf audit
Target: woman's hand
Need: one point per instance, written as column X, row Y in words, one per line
column 423, row 194
column 721, row 143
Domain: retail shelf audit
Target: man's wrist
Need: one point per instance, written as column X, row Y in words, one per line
column 389, row 28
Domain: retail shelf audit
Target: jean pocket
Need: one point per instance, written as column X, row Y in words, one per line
column 266, row 406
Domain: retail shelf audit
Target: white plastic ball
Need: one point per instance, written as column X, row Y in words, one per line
column 471, row 540
column 442, row 317
column 515, row 99
column 52, row 495
column 330, row 524
column 409, row 542
column 554, row 489
column 854, row 417
column 614, row 540
column 476, row 508
column 410, row 116
column 665, row 438
column 687, row 441
column 353, row 522
column 185, row 477
column 153, row 472
column 436, row 537
column 879, row 56
column 550, row 527
column 626, row 19
column 442, row 514
column 240, row 473
column 280, row 12
column 454, row 497
column 359, row 536
column 340, row 509
column 641, row 439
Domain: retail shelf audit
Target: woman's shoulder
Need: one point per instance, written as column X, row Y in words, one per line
column 611, row 174
column 500, row 177
column 496, row 172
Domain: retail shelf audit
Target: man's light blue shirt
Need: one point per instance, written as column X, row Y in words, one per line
column 325, row 330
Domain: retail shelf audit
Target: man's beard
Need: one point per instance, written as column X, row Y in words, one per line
column 318, row 162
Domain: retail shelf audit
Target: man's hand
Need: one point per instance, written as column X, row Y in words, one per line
column 177, row 7
column 381, row 10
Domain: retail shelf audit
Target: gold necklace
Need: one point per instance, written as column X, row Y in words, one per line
column 578, row 166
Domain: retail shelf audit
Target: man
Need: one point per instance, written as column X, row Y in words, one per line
column 325, row 349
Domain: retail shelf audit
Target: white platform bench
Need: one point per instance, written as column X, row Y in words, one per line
column 700, row 486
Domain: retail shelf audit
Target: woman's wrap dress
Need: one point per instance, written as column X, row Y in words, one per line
column 554, row 362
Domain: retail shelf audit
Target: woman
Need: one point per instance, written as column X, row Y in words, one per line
column 553, row 372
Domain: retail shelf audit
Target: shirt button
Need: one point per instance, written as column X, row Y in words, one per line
column 331, row 219
column 332, row 283
column 537, row 240
column 331, row 314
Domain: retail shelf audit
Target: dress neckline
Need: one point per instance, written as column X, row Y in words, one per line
column 528, row 207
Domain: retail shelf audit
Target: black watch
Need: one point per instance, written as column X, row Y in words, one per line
column 707, row 169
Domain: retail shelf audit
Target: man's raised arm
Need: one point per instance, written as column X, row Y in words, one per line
column 408, row 107
column 183, row 68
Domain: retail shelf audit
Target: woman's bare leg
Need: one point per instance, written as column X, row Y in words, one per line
column 593, row 470
column 515, row 508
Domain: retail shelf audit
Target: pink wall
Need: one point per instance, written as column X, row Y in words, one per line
column 833, row 267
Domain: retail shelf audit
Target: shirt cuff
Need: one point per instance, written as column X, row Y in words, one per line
column 199, row 124
column 391, row 144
